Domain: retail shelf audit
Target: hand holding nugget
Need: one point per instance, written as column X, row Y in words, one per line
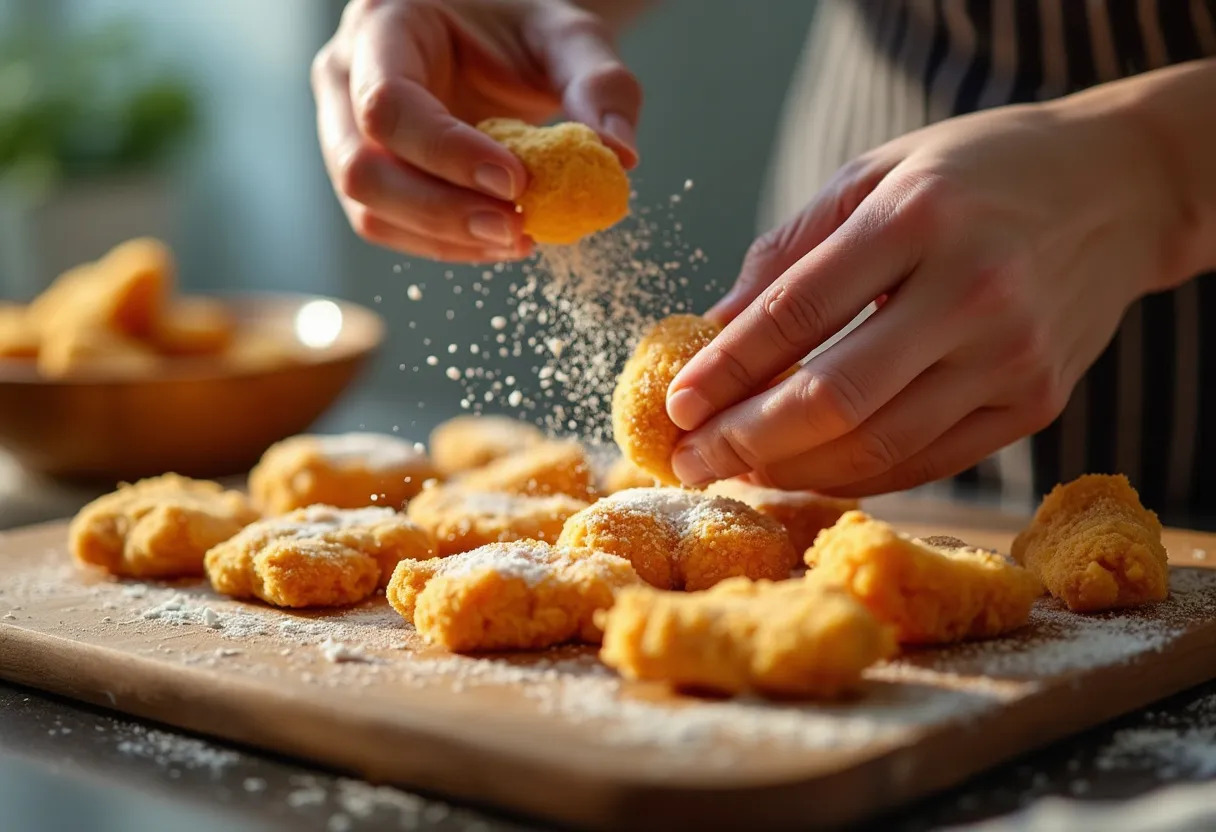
column 1095, row 546
column 400, row 85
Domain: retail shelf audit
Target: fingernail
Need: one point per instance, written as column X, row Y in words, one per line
column 494, row 180
column 491, row 227
column 688, row 408
column 620, row 130
column 690, row 466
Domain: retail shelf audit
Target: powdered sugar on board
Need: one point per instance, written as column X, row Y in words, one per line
column 368, row 654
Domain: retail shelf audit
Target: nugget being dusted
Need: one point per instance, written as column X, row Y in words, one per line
column 157, row 528
column 1095, row 546
column 554, row 467
column 803, row 513
column 576, row 185
column 318, row 556
column 348, row 470
column 523, row 595
column 461, row 519
column 467, row 442
column 679, row 539
column 787, row 639
column 933, row 591
column 640, row 424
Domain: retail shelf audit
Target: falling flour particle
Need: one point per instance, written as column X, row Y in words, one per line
column 413, row 292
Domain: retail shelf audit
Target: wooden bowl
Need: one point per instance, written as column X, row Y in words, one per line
column 198, row 417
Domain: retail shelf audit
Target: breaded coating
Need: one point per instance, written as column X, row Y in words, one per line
column 467, row 442
column 679, row 539
column 553, row 467
column 622, row 475
column 523, row 595
column 1095, row 546
column 125, row 291
column 318, row 556
column 194, row 326
column 576, row 184
column 18, row 335
column 785, row 639
column 933, row 591
column 803, row 513
column 73, row 348
column 157, row 528
column 348, row 470
column 462, row 520
column 640, row 424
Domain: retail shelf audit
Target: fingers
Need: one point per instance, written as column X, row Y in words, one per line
column 977, row 436
column 393, row 107
column 867, row 256
column 596, row 88
column 775, row 252
column 377, row 230
column 935, row 402
column 392, row 195
column 833, row 394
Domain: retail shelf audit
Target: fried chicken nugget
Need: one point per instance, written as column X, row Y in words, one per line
column 194, row 326
column 623, row 475
column 467, row 442
column 318, row 556
column 1095, row 546
column 803, row 513
column 70, row 348
column 462, row 520
column 553, row 467
column 679, row 539
column 933, row 591
column 349, row 470
column 576, row 185
column 640, row 424
column 785, row 639
column 18, row 335
column 522, row 595
column 125, row 291
column 159, row 527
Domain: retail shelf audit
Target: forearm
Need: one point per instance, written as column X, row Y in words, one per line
column 1174, row 111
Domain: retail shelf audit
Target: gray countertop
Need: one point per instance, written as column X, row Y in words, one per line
column 64, row 766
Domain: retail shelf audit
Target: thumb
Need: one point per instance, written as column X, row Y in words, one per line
column 576, row 49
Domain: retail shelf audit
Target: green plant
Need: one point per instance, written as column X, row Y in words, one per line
column 78, row 105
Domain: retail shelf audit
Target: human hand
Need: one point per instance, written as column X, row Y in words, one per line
column 402, row 81
column 1008, row 245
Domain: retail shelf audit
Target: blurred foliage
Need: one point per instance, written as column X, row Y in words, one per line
column 85, row 104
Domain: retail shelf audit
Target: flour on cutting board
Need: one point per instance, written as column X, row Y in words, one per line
column 369, row 648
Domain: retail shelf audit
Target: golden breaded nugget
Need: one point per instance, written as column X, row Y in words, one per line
column 623, row 475
column 933, row 591
column 523, row 595
column 554, row 467
column 640, row 424
column 787, row 639
column 349, row 470
column 467, row 442
column 318, row 556
column 74, row 347
column 1095, row 546
column 679, row 539
column 125, row 291
column 803, row 513
column 193, row 326
column 18, row 335
column 462, row 520
column 158, row 528
column 576, row 185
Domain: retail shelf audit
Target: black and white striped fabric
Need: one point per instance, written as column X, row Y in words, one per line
column 875, row 69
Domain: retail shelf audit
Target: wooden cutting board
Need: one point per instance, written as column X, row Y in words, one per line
column 556, row 735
